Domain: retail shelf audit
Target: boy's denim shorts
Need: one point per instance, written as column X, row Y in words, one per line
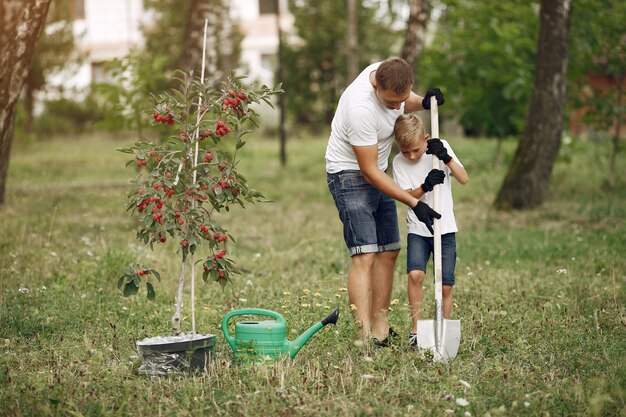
column 419, row 249
column 369, row 217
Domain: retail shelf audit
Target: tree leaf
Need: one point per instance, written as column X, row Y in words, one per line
column 151, row 293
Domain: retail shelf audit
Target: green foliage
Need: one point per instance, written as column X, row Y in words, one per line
column 598, row 50
column 65, row 116
column 315, row 64
column 483, row 59
column 132, row 79
column 185, row 181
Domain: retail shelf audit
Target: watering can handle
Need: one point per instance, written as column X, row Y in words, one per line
column 247, row 312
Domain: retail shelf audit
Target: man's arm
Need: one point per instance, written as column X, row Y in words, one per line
column 367, row 157
column 413, row 103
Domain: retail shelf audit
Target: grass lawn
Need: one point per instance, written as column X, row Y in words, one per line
column 541, row 295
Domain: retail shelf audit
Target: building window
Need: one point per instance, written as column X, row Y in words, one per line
column 267, row 6
column 100, row 73
column 269, row 62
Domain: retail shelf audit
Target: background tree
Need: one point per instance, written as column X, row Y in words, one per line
column 176, row 23
column 55, row 51
column 598, row 69
column 223, row 39
column 527, row 181
column 352, row 39
column 181, row 22
column 482, row 57
column 419, row 14
column 315, row 62
column 16, row 53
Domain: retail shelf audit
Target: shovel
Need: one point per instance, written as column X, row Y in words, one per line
column 439, row 336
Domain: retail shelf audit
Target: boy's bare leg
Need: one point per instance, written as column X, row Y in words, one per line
column 447, row 300
column 415, row 290
column 382, row 282
column 360, row 289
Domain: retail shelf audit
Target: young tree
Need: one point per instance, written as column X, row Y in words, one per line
column 21, row 24
column 527, row 181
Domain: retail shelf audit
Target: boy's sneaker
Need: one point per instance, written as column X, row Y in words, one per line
column 413, row 340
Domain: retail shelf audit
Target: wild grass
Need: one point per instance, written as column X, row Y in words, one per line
column 540, row 295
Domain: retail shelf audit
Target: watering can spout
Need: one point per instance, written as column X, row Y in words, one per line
column 296, row 345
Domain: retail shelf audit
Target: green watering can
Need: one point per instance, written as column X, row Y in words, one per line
column 260, row 340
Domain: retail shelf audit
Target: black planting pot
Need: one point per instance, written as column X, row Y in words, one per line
column 164, row 355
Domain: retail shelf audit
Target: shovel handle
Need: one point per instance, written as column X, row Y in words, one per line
column 434, row 130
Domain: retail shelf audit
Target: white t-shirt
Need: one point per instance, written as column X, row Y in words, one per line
column 410, row 175
column 360, row 120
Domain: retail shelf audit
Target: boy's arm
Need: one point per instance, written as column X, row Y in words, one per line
column 458, row 172
column 436, row 147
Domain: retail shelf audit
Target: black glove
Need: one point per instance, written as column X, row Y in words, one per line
column 426, row 215
column 435, row 146
column 434, row 177
column 433, row 92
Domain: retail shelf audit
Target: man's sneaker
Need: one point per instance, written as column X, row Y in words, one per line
column 386, row 341
column 392, row 333
column 413, row 340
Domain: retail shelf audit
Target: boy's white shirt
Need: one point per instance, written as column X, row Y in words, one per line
column 360, row 120
column 409, row 175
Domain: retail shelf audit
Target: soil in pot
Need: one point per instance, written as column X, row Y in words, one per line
column 162, row 355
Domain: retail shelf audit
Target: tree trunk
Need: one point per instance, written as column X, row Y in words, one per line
column 221, row 50
column 352, row 41
column 419, row 13
column 618, row 131
column 527, row 181
column 21, row 23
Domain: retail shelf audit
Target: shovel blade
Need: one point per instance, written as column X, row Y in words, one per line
column 443, row 349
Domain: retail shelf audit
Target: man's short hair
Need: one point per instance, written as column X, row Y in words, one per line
column 394, row 74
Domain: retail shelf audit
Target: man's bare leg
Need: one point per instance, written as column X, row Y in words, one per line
column 360, row 289
column 382, row 282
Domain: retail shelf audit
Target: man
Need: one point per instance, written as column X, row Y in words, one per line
column 356, row 160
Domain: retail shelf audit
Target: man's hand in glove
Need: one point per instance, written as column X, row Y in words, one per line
column 433, row 92
column 426, row 215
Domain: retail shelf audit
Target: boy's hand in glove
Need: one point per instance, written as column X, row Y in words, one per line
column 435, row 147
column 433, row 92
column 426, row 215
column 434, row 177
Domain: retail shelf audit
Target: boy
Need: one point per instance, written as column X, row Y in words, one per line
column 412, row 170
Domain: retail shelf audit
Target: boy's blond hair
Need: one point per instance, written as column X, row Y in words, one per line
column 407, row 129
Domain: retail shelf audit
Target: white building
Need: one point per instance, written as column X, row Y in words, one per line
column 109, row 29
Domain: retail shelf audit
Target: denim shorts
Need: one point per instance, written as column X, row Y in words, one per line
column 369, row 217
column 419, row 249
